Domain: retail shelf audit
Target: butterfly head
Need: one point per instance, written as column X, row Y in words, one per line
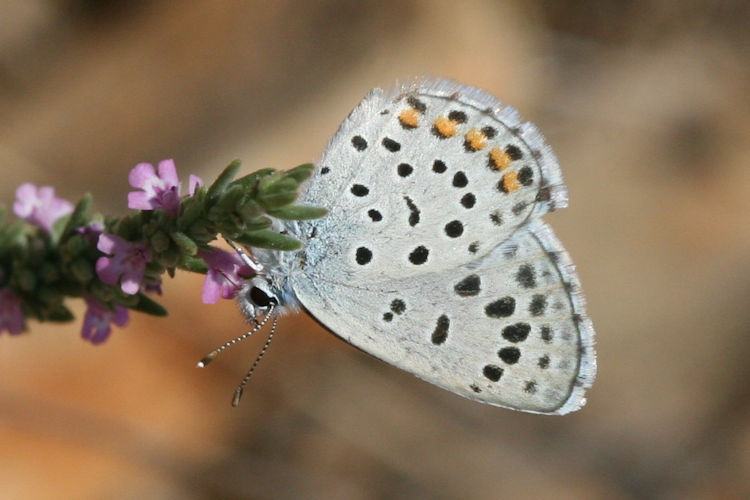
column 257, row 297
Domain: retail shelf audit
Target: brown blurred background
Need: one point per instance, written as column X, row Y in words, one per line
column 647, row 104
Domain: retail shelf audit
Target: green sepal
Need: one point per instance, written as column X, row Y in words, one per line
column 298, row 212
column 266, row 238
column 148, row 306
column 224, row 179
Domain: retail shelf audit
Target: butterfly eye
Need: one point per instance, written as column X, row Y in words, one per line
column 261, row 298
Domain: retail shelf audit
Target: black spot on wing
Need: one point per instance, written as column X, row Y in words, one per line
column 413, row 211
column 469, row 286
column 359, row 143
column 516, row 332
column 501, row 308
column 440, row 334
column 419, row 255
column 492, row 372
column 526, row 276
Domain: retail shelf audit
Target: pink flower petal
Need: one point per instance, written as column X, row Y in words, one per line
column 40, row 206
column 211, row 291
column 139, row 200
column 168, row 173
column 130, row 284
column 107, row 243
column 25, row 195
column 142, row 175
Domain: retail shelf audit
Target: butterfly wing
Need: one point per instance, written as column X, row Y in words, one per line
column 424, row 178
column 508, row 330
column 433, row 257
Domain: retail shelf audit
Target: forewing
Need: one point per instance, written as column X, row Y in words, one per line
column 509, row 330
column 426, row 178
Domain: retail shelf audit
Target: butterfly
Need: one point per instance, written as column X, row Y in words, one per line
column 433, row 256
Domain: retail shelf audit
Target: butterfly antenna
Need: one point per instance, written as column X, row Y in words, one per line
column 206, row 360
column 255, row 266
column 241, row 387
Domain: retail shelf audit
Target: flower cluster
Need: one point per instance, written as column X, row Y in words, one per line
column 113, row 263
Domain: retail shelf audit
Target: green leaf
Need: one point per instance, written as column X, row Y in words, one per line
column 265, row 238
column 249, row 208
column 130, row 228
column 278, row 200
column 300, row 173
column 269, row 180
column 82, row 270
column 60, row 314
column 103, row 293
column 191, row 211
column 249, row 180
column 80, row 215
column 170, row 257
column 194, row 264
column 148, row 306
column 154, row 268
column 11, row 236
column 280, row 185
column 256, row 224
column 221, row 183
column 160, row 241
column 58, row 228
column 298, row 212
column 183, row 241
column 26, row 278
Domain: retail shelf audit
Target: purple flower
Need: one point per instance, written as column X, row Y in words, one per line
column 225, row 275
column 127, row 262
column 160, row 191
column 40, row 206
column 11, row 315
column 97, row 323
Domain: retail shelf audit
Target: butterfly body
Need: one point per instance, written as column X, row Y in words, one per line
column 433, row 256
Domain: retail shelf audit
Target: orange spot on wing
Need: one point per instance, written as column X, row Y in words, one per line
column 445, row 127
column 409, row 118
column 476, row 139
column 510, row 182
column 500, row 159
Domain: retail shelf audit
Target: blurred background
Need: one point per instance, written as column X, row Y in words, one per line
column 647, row 105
